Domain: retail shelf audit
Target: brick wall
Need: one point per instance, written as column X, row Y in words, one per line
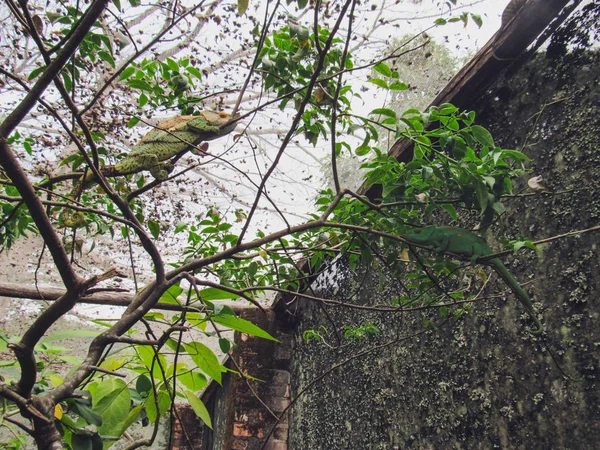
column 270, row 362
column 242, row 421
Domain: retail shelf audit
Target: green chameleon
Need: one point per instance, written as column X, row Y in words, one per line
column 464, row 243
column 169, row 139
column 155, row 150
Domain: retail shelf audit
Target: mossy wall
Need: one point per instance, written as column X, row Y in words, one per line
column 481, row 382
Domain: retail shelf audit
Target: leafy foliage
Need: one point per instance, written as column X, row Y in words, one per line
column 295, row 51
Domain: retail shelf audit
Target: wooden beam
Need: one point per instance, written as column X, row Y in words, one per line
column 106, row 298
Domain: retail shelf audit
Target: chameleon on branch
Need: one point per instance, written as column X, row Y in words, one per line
column 169, row 139
column 155, row 150
column 464, row 243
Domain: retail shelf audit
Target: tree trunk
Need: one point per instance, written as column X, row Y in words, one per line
column 46, row 435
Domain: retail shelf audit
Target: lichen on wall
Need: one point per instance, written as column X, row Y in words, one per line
column 483, row 381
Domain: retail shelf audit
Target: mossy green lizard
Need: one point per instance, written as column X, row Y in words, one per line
column 463, row 243
column 155, row 150
column 169, row 139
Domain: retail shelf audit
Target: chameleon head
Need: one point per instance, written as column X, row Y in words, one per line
column 209, row 124
column 216, row 118
column 221, row 121
column 420, row 235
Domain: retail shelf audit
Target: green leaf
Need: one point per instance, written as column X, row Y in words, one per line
column 90, row 416
column 113, row 407
column 198, row 408
column 446, row 109
column 252, row 269
column 195, row 72
column 154, row 228
column 398, row 86
column 171, row 294
column 173, row 65
column 192, row 379
column 60, row 335
column 440, row 21
column 51, row 349
column 362, row 149
column 70, row 359
column 81, row 442
column 383, row 69
column 148, row 358
column 105, row 56
column 143, row 385
column 224, row 345
column 212, row 294
column 517, row 246
column 164, row 402
column 242, row 6
column 53, row 17
column 384, row 112
column 483, row 136
column 133, row 122
column 379, row 82
column 205, row 360
column 498, row 207
column 139, row 84
column 242, row 325
column 516, row 155
column 451, row 210
column 127, row 73
column 67, row 80
column 506, row 185
column 481, row 193
column 131, row 417
column 35, row 72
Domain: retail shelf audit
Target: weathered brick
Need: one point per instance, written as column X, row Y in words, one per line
column 249, row 351
column 240, row 416
column 281, row 377
column 278, row 404
column 186, row 419
column 245, row 415
column 274, row 444
column 240, row 429
column 249, row 431
column 281, row 432
column 283, row 352
column 238, row 444
column 278, row 390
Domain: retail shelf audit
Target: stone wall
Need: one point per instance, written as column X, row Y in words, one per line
column 481, row 382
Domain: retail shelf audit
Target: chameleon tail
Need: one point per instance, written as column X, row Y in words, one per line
column 519, row 292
